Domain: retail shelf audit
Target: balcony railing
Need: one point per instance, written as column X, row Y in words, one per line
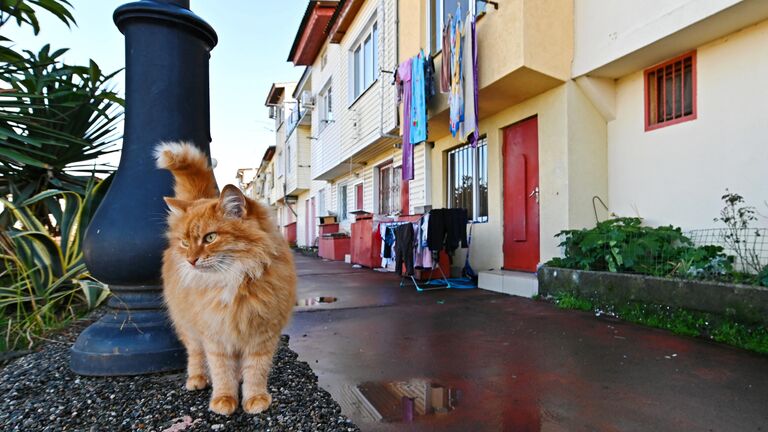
column 295, row 118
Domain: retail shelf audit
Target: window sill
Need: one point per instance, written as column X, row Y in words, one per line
column 653, row 127
column 362, row 94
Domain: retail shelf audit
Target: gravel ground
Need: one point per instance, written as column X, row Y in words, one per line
column 38, row 392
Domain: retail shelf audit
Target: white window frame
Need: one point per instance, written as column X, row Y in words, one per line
column 321, row 210
column 325, row 106
column 342, row 203
column 288, row 161
column 438, row 7
column 478, row 171
column 362, row 76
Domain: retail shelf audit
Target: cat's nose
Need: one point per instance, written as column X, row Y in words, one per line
column 192, row 261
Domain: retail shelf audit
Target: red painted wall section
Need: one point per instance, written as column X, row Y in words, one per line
column 359, row 196
column 404, row 197
column 289, row 231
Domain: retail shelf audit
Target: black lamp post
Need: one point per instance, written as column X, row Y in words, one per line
column 167, row 48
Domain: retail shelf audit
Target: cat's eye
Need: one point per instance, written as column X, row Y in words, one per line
column 184, row 243
column 210, row 237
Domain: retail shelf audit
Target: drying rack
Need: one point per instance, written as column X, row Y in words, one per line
column 423, row 286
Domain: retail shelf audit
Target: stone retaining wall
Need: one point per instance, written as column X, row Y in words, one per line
column 747, row 303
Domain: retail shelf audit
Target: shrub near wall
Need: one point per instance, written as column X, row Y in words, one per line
column 658, row 277
column 744, row 303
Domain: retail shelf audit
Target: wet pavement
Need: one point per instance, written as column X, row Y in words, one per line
column 471, row 360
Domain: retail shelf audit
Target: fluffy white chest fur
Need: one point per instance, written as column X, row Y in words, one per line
column 225, row 280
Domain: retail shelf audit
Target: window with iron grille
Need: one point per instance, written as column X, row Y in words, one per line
column 670, row 92
column 468, row 180
column 390, row 178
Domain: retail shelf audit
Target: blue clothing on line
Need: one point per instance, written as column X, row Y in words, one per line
column 418, row 132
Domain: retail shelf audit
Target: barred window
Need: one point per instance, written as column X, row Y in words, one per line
column 389, row 189
column 670, row 92
column 468, row 180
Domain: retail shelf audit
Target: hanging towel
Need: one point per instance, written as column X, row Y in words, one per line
column 418, row 132
column 404, row 72
column 470, row 126
column 445, row 68
column 456, row 95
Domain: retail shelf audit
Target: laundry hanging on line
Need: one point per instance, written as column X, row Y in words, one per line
column 415, row 80
column 462, row 71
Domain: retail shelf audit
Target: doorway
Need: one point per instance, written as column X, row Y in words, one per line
column 520, row 154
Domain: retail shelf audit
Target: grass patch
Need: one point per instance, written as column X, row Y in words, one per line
column 679, row 321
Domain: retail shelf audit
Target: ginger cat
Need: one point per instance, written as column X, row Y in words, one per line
column 228, row 280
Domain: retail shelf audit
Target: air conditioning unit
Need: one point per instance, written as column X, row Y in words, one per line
column 307, row 100
column 272, row 112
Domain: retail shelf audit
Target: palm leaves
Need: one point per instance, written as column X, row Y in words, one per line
column 43, row 275
column 55, row 120
column 23, row 12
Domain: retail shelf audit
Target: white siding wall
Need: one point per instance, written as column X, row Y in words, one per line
column 326, row 149
column 298, row 174
column 359, row 123
column 417, row 187
column 362, row 123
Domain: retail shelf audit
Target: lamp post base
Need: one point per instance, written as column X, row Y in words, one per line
column 127, row 342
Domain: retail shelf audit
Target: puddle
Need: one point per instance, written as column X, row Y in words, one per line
column 315, row 301
column 405, row 401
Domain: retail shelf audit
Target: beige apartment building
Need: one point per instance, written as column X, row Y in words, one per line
column 653, row 107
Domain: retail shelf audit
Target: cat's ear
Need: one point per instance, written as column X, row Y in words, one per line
column 176, row 205
column 232, row 202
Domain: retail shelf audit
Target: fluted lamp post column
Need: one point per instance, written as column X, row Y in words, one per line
column 167, row 48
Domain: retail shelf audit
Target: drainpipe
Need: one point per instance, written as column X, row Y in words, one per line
column 382, row 6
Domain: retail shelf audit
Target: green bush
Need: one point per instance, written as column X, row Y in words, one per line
column 625, row 245
column 43, row 280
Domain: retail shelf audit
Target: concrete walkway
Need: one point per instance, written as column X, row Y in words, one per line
column 511, row 364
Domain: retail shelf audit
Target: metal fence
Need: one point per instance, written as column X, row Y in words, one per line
column 714, row 254
column 748, row 246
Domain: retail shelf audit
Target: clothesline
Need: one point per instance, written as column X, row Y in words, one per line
column 416, row 83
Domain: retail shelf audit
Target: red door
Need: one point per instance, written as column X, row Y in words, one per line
column 521, row 196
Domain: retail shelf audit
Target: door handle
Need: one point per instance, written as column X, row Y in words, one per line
column 535, row 194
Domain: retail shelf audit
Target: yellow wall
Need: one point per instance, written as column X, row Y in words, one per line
column 676, row 174
column 587, row 159
column 572, row 169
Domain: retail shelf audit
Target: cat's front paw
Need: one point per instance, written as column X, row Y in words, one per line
column 197, row 382
column 224, row 405
column 257, row 404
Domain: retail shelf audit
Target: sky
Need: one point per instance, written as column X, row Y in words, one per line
column 255, row 37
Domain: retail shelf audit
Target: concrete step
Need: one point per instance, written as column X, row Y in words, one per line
column 515, row 283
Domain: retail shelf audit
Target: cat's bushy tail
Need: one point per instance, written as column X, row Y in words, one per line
column 189, row 165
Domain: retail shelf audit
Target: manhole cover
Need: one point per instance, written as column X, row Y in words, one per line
column 314, row 301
